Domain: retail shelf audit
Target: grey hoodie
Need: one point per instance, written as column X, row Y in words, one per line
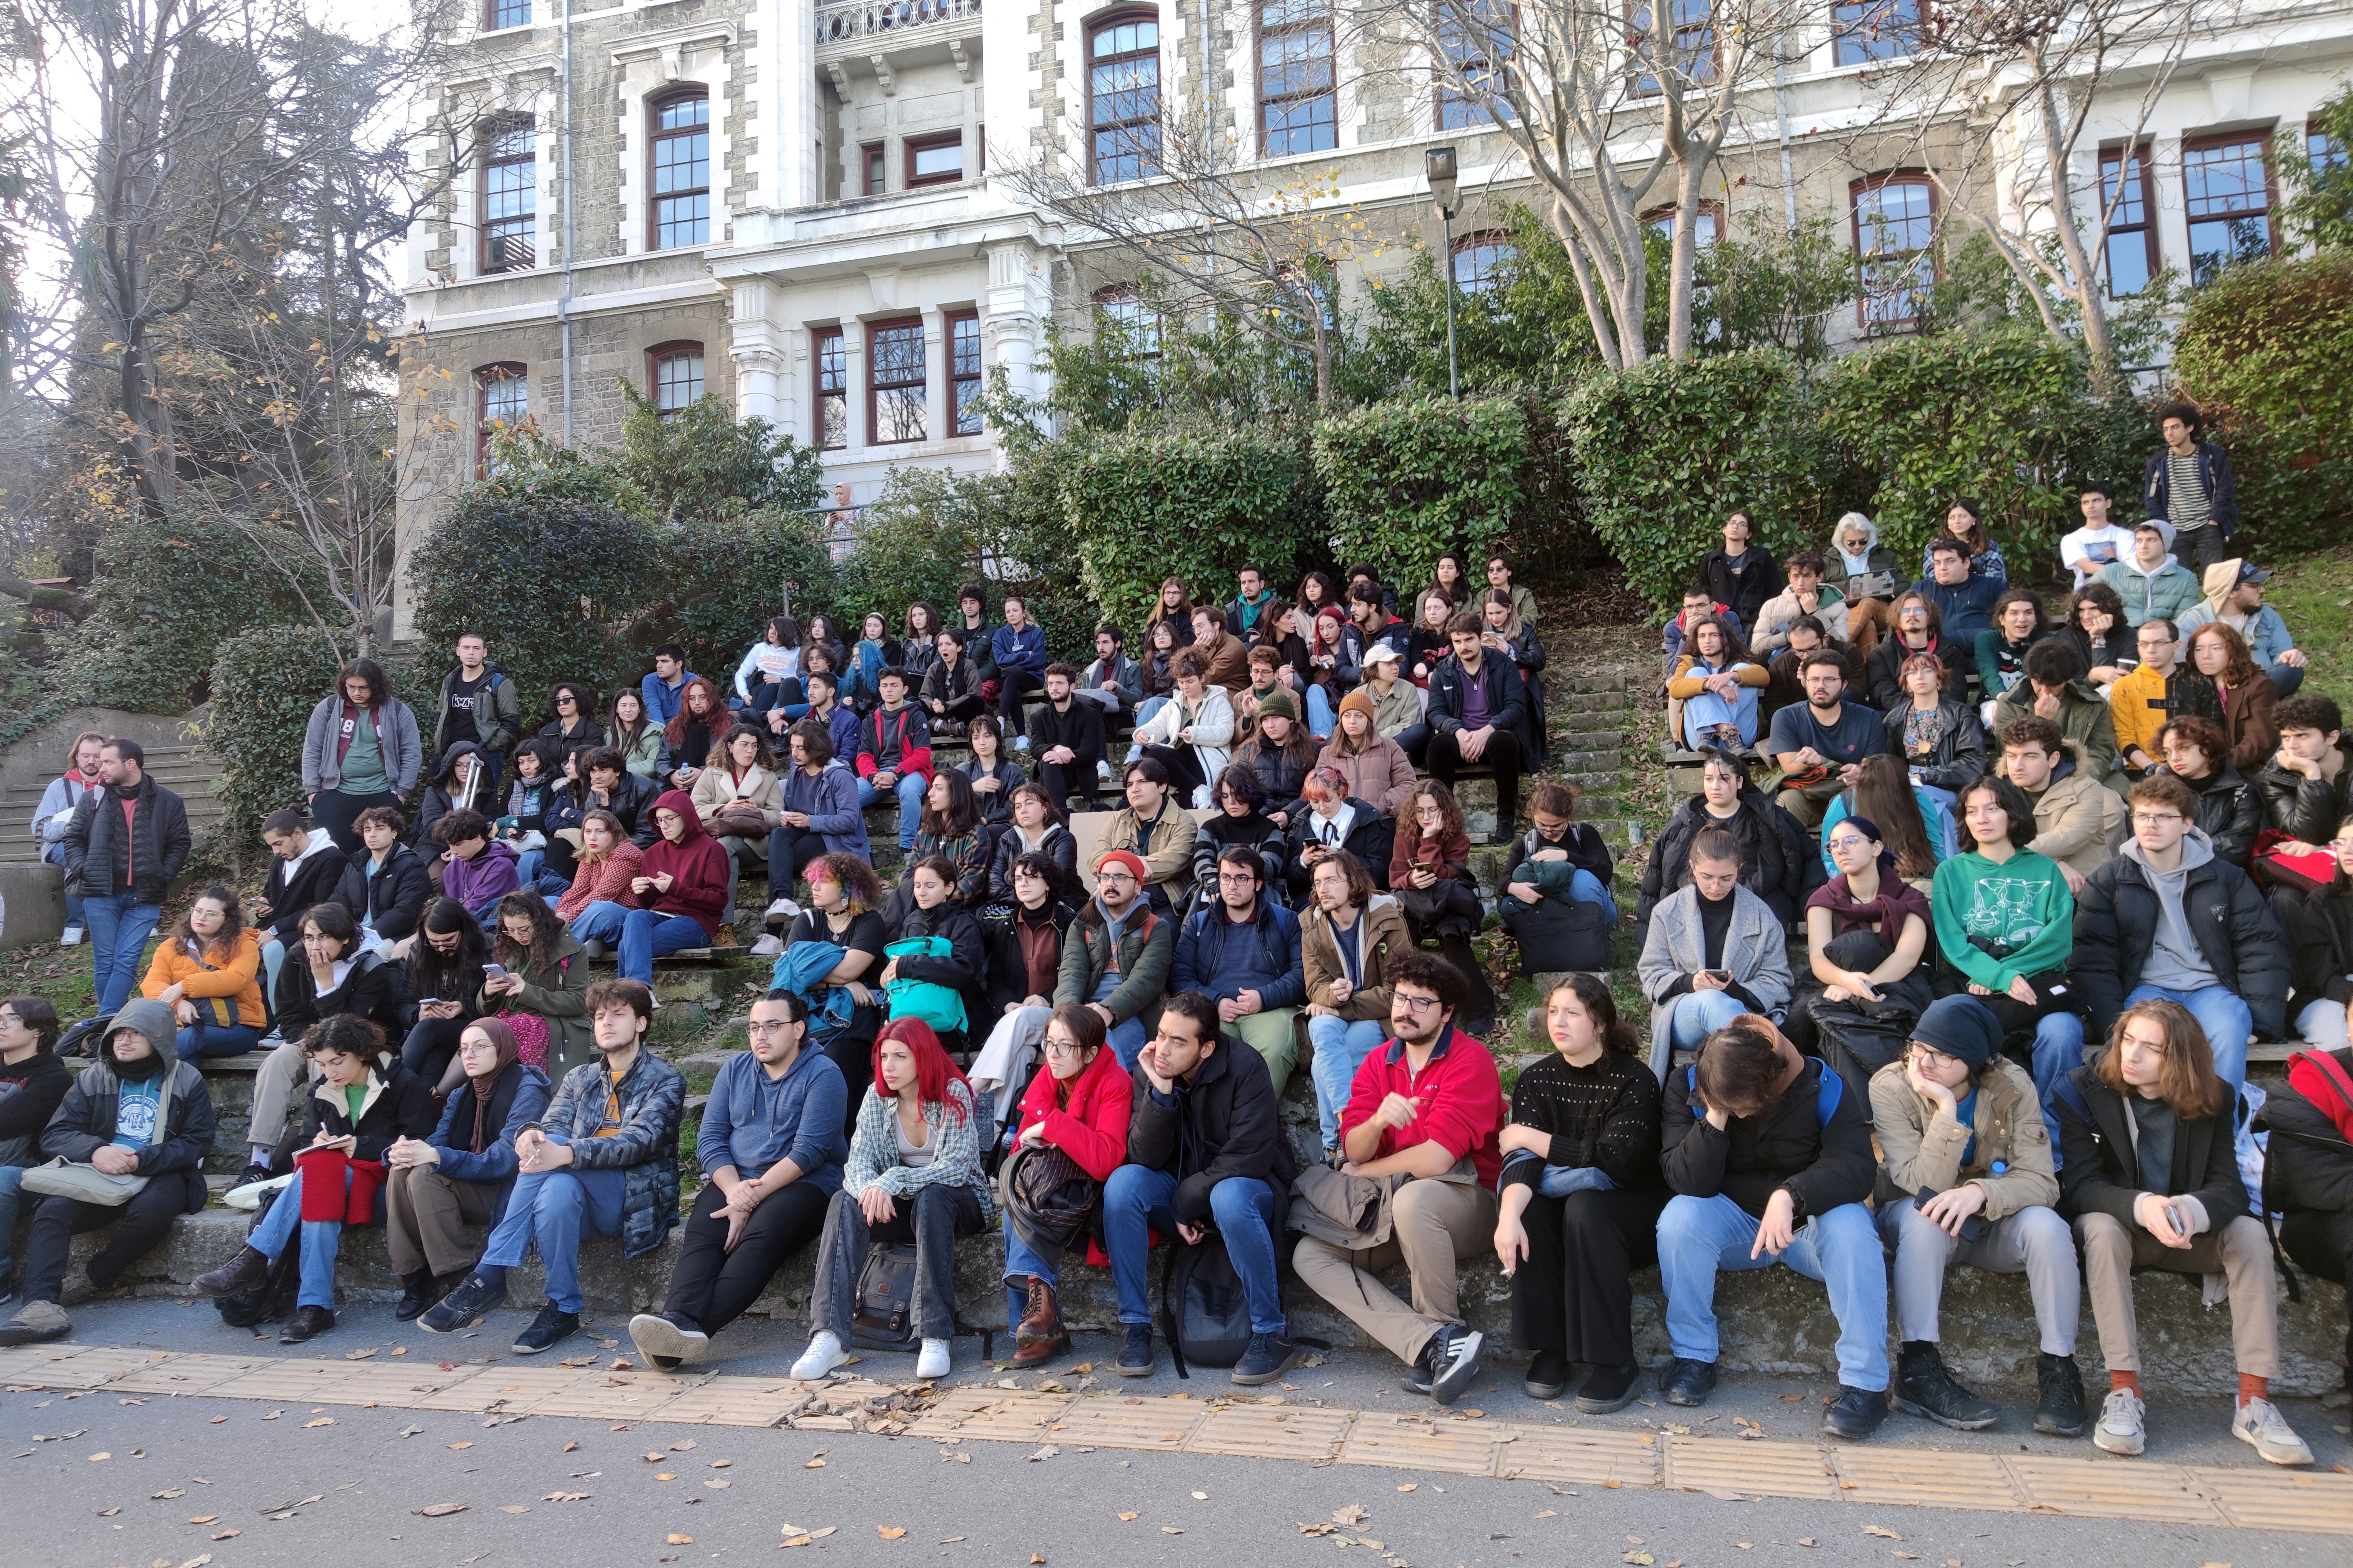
column 2174, row 961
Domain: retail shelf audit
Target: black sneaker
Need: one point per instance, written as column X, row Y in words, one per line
column 1609, row 1388
column 552, row 1326
column 1419, row 1375
column 2060, row 1411
column 1688, row 1381
column 1547, row 1375
column 463, row 1305
column 1268, row 1358
column 308, row 1323
column 1924, row 1386
column 252, row 1174
column 1856, row 1413
column 1135, row 1353
column 1453, row 1371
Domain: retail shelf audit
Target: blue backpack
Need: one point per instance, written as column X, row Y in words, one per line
column 1827, row 1093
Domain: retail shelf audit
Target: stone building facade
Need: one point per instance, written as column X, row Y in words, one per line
column 799, row 206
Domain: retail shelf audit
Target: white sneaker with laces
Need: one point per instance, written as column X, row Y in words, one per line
column 71, row 937
column 784, row 910
column 2122, row 1429
column 934, row 1363
column 768, row 947
column 2259, row 1424
column 824, row 1353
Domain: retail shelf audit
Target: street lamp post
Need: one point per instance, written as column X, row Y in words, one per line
column 1438, row 163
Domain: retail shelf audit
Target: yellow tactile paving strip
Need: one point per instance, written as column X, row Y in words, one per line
column 1261, row 1427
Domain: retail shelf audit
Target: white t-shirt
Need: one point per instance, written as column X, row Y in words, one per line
column 2088, row 549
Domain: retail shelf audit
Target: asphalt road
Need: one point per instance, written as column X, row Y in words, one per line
column 231, row 1463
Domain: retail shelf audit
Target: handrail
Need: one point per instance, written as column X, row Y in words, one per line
column 846, row 22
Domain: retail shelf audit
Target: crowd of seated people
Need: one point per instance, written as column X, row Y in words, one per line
column 2032, row 947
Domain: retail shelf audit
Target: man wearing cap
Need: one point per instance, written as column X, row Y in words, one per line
column 1966, row 1175
column 138, row 1110
column 2149, row 581
column 1396, row 702
column 1116, row 955
column 2234, row 597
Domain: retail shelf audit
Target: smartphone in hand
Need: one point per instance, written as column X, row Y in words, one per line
column 494, row 971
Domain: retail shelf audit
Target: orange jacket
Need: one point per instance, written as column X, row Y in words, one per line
column 234, row 982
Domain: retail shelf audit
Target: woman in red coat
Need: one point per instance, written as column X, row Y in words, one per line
column 1079, row 1104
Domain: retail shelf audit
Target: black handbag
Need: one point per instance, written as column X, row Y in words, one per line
column 884, row 1316
column 1049, row 1197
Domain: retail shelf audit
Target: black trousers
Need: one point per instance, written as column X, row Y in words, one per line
column 1502, row 754
column 561, row 858
column 852, row 1051
column 962, row 710
column 1574, row 1293
column 713, row 1286
column 2322, row 1244
column 1011, row 685
column 1063, row 780
column 139, row 1226
column 1183, row 767
column 429, row 1046
column 790, row 850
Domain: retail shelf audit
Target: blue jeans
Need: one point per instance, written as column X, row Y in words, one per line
column 12, row 1178
column 1697, row 1016
column 1136, row 1200
column 119, row 926
column 55, row 855
column 1320, row 717
column 2226, row 1020
column 910, row 788
column 1707, row 709
column 553, row 1208
column 273, row 958
column 2287, row 678
column 637, row 936
column 319, row 1240
column 1126, row 1042
column 1341, row 1048
column 1021, row 1263
column 1700, row 1236
column 2058, row 1051
column 218, row 1040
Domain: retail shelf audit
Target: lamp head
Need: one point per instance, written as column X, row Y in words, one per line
column 1438, row 163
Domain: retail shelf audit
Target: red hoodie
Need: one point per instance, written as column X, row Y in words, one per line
column 698, row 868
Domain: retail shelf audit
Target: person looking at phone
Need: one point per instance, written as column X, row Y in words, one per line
column 1966, row 1176
column 1715, row 950
column 2149, row 1174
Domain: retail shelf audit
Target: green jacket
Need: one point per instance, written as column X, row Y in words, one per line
column 2166, row 595
column 2083, row 719
column 1147, row 950
column 498, row 718
column 2022, row 904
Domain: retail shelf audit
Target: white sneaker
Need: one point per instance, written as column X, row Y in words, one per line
column 768, row 947
column 1103, row 769
column 784, row 910
column 2121, row 1429
column 824, row 1353
column 71, row 937
column 2259, row 1424
column 933, row 1363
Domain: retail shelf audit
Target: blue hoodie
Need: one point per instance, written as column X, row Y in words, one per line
column 754, row 1121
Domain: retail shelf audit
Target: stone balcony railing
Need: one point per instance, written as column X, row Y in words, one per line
column 861, row 21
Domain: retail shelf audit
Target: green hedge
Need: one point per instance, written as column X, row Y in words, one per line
column 1662, row 452
column 1404, row 481
column 725, row 576
column 2267, row 352
column 1197, row 504
column 166, row 594
column 264, row 682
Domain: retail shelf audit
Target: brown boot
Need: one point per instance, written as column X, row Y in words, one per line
column 248, row 1268
column 1041, row 1336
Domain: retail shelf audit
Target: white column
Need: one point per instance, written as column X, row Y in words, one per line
column 853, row 358
column 937, row 421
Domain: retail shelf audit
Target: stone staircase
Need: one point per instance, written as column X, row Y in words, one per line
column 188, row 771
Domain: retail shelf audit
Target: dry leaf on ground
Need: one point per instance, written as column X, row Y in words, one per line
column 890, row 1531
column 1882, row 1531
column 441, row 1509
column 676, row 1540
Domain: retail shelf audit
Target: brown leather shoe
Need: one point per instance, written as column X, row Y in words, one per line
column 248, row 1269
column 1037, row 1352
column 1041, row 1316
column 307, row 1322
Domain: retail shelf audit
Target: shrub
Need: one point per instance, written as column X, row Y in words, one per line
column 721, row 577
column 557, row 584
column 920, row 539
column 1194, row 503
column 2266, row 350
column 1406, row 480
column 2007, row 415
column 699, row 462
column 166, row 593
column 1663, row 451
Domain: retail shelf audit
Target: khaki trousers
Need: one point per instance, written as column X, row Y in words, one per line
column 1809, row 804
column 426, row 1219
column 1271, row 1034
column 285, row 1076
column 2240, row 1251
column 1435, row 1224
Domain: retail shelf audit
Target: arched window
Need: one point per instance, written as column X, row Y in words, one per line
column 1480, row 259
column 1298, row 105
column 509, row 196
column 681, row 171
column 1124, row 97
column 675, row 372
column 1894, row 220
column 502, row 402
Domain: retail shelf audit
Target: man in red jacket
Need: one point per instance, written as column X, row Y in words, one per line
column 674, row 900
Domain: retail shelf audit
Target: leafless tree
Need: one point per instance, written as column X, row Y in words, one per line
column 2005, row 104
column 1618, row 110
column 1212, row 228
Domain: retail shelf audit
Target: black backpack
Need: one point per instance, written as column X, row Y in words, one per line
column 882, row 1316
column 274, row 1298
column 1204, row 1308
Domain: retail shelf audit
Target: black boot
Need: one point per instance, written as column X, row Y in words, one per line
column 416, row 1295
column 1923, row 1387
column 2060, row 1411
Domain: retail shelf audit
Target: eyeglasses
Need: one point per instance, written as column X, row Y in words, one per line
column 1101, row 877
column 1413, row 1003
column 1847, row 841
column 2155, row 818
column 766, row 1028
column 1055, row 1048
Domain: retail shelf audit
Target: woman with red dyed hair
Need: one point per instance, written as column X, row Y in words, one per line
column 913, row 1175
